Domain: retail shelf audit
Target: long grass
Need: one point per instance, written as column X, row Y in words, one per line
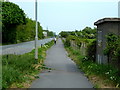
column 0, row 71
column 17, row 68
column 104, row 72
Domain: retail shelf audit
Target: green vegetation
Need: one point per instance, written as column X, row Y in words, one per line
column 86, row 33
column 102, row 76
column 19, row 70
column 27, row 32
column 49, row 33
column 15, row 26
column 0, row 17
column 0, row 72
column 112, row 49
column 91, row 50
column 64, row 34
column 76, row 39
column 12, row 16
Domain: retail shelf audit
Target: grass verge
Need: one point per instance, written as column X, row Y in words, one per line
column 102, row 76
column 20, row 70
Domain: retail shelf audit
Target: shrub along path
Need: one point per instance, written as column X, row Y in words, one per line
column 64, row 72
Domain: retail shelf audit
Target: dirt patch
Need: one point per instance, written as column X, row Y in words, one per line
column 24, row 84
column 100, row 82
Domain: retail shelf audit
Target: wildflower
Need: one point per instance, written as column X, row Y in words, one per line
column 107, row 73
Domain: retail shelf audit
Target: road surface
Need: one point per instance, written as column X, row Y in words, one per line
column 65, row 73
column 22, row 48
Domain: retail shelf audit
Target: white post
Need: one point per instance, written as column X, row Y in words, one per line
column 36, row 36
column 119, row 9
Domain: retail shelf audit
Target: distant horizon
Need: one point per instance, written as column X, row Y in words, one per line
column 69, row 15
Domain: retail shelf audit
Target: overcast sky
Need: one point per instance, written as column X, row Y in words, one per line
column 69, row 15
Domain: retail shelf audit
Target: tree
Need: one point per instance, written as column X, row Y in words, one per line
column 27, row 32
column 12, row 16
column 91, row 51
column 112, row 50
column 89, row 33
column 50, row 33
column 40, row 31
column 64, row 34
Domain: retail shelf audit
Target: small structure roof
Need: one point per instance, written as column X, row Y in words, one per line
column 107, row 20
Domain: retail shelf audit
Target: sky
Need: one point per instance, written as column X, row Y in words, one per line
column 69, row 15
column 119, row 9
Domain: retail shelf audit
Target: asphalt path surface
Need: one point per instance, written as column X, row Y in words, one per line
column 21, row 48
column 64, row 73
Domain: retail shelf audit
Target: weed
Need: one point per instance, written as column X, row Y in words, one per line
column 17, row 68
column 109, row 73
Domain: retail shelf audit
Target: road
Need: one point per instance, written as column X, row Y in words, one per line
column 22, row 48
column 64, row 74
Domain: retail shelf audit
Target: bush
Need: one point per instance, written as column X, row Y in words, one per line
column 67, row 42
column 91, row 51
column 112, row 50
column 75, row 39
column 12, row 16
column 92, row 68
column 15, row 26
column 109, row 72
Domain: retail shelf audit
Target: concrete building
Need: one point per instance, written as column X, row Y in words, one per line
column 105, row 26
column 45, row 34
column 5, row 0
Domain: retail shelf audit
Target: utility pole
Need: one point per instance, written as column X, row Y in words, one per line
column 7, row 0
column 36, row 36
column 47, row 28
